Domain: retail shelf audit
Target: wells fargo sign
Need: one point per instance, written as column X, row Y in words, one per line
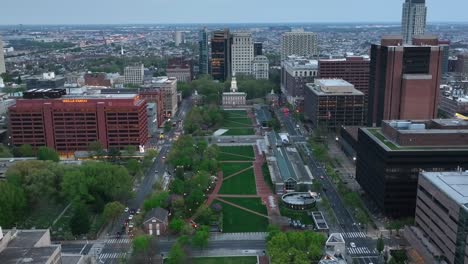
column 74, row 101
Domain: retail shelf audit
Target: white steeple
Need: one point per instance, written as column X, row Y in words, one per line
column 234, row 83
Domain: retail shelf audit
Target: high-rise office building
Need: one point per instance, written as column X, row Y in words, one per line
column 442, row 216
column 168, row 86
column 298, row 43
column 180, row 68
column 413, row 22
column 333, row 103
column 296, row 72
column 353, row 69
column 221, row 55
column 390, row 158
column 260, row 67
column 258, row 49
column 134, row 74
column 404, row 79
column 204, row 59
column 242, row 53
column 179, row 38
column 2, row 58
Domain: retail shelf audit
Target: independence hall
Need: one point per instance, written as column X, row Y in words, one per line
column 67, row 123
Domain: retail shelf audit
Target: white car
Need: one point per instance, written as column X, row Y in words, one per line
column 138, row 211
column 352, row 244
column 126, row 209
column 130, row 217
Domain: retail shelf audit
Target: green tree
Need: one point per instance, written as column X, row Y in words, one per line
column 177, row 255
column 200, row 239
column 157, row 200
column 177, row 186
column 80, row 221
column 194, row 199
column 133, row 166
column 26, row 150
column 12, row 204
column 39, row 179
column 380, row 244
column 130, row 149
column 167, row 126
column 113, row 210
column 45, row 153
column 204, row 214
column 114, row 154
column 176, row 225
column 5, row 152
column 295, row 247
column 96, row 148
column 141, row 243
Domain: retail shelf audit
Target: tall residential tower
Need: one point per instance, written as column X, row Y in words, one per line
column 221, row 55
column 298, row 43
column 413, row 22
column 2, row 58
column 204, row 53
column 242, row 53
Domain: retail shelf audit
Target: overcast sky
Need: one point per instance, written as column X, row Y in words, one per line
column 218, row 11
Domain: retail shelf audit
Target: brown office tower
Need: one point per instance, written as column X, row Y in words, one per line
column 71, row 123
column 221, row 55
column 404, row 79
column 353, row 69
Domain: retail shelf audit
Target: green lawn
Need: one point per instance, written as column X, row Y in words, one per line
column 246, row 151
column 236, row 113
column 239, row 131
column 237, row 220
column 243, row 183
column 237, row 122
column 225, row 260
column 231, row 168
column 254, row 204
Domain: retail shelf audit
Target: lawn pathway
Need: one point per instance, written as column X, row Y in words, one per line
column 242, row 208
column 237, row 173
column 214, row 194
column 237, row 155
column 263, row 190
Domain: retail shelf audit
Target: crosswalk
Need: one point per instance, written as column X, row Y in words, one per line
column 354, row 235
column 361, row 251
column 112, row 255
column 117, row 241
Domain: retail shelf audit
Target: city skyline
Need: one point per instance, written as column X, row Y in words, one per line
column 211, row 11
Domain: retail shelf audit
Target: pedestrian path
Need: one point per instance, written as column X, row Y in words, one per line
column 238, row 236
column 118, row 241
column 112, row 255
column 361, row 251
column 354, row 235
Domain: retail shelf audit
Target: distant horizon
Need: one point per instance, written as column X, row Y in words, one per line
column 233, row 23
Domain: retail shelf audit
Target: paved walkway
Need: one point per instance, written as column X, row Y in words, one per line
column 214, row 194
column 242, row 208
column 237, row 173
column 263, row 190
column 236, row 161
column 237, row 155
column 238, row 195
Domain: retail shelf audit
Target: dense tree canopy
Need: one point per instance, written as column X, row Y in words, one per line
column 12, row 204
column 45, row 153
column 295, row 247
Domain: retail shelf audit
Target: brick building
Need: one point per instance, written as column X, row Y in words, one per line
column 353, row 69
column 404, row 79
column 97, row 79
column 181, row 69
column 71, row 123
column 333, row 103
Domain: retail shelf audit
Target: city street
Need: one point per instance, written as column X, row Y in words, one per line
column 364, row 250
column 144, row 189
